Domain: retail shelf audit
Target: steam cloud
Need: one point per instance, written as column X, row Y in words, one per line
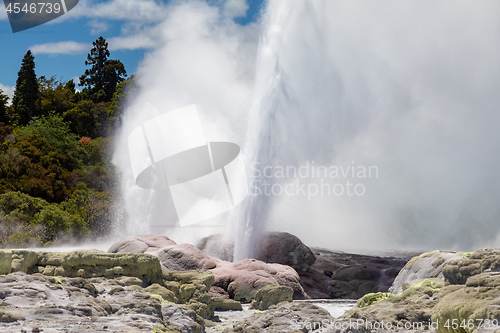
column 205, row 59
column 409, row 87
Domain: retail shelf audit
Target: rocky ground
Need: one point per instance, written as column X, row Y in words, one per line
column 151, row 284
column 439, row 291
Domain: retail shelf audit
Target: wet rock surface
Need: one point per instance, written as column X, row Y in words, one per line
column 349, row 276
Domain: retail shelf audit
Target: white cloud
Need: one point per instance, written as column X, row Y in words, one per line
column 7, row 90
column 139, row 41
column 235, row 8
column 65, row 47
column 97, row 27
column 149, row 11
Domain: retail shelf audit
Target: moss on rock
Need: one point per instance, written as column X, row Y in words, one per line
column 82, row 264
column 271, row 295
column 372, row 298
column 225, row 304
column 458, row 271
column 477, row 301
column 166, row 295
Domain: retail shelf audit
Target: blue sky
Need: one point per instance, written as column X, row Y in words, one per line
column 130, row 27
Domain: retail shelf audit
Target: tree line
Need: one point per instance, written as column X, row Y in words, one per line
column 56, row 179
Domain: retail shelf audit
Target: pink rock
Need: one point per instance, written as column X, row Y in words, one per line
column 141, row 244
column 240, row 280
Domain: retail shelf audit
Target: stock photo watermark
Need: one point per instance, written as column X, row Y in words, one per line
column 352, row 325
column 26, row 14
column 311, row 180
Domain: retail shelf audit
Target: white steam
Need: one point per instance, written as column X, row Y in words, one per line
column 410, row 87
column 205, row 59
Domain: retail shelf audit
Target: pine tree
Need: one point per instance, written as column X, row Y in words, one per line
column 26, row 94
column 101, row 79
column 4, row 116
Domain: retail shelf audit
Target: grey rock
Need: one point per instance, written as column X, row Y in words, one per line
column 284, row 317
column 425, row 266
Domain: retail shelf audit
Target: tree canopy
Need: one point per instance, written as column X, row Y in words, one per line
column 4, row 115
column 104, row 74
column 56, row 177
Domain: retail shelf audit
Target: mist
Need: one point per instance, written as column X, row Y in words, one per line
column 409, row 88
column 205, row 59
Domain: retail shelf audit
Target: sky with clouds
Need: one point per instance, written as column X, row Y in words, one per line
column 132, row 29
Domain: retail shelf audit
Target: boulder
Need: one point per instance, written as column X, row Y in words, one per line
column 82, row 263
column 141, row 244
column 184, row 257
column 183, row 318
column 275, row 247
column 239, row 280
column 242, row 279
column 427, row 265
column 346, row 275
column 286, row 249
column 470, row 264
column 284, row 317
column 224, row 304
column 271, row 295
column 412, row 306
column 476, row 302
column 217, row 246
column 465, row 293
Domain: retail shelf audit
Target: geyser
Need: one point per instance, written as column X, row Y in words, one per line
column 406, row 88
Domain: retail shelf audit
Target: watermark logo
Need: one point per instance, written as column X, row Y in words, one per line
column 311, row 180
column 26, row 14
column 170, row 152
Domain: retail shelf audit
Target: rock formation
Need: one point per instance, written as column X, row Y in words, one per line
column 99, row 292
column 271, row 295
column 455, row 295
column 236, row 280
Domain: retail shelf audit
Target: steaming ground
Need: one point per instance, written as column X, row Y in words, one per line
column 408, row 87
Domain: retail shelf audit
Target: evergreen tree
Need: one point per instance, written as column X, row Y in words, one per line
column 25, row 101
column 4, row 116
column 101, row 79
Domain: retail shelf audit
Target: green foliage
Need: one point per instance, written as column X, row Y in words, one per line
column 4, row 100
column 55, row 96
column 101, row 79
column 81, row 118
column 56, row 178
column 125, row 90
column 25, row 101
column 56, row 133
column 28, row 219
